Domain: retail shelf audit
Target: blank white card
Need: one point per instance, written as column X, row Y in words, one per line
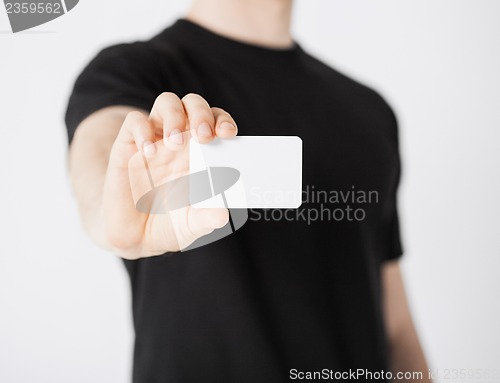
column 270, row 171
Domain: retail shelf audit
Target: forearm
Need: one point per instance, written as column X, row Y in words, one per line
column 407, row 356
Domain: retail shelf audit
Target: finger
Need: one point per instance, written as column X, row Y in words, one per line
column 225, row 126
column 135, row 137
column 169, row 116
column 204, row 221
column 200, row 117
column 138, row 129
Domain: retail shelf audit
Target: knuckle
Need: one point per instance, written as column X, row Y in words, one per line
column 218, row 110
column 117, row 241
column 134, row 115
column 220, row 218
column 165, row 97
column 120, row 243
column 194, row 101
column 191, row 97
column 136, row 124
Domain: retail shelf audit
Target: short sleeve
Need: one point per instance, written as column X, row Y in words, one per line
column 395, row 247
column 126, row 74
column 390, row 235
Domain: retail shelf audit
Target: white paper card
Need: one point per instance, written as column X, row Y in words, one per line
column 270, row 169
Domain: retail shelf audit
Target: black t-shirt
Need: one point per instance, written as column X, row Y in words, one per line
column 291, row 290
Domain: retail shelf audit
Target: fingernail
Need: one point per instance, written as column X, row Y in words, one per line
column 227, row 126
column 175, row 137
column 204, row 130
column 149, row 148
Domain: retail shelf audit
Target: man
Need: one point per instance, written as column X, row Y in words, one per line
column 279, row 299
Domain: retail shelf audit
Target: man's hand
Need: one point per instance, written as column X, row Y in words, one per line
column 101, row 173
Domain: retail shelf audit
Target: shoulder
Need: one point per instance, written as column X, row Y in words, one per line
column 138, row 64
column 144, row 58
column 351, row 94
column 347, row 84
column 124, row 55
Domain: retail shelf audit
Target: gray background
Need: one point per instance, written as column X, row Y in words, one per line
column 64, row 305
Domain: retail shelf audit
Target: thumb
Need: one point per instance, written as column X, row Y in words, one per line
column 203, row 221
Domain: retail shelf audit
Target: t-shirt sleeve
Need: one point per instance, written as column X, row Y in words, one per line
column 126, row 74
column 391, row 235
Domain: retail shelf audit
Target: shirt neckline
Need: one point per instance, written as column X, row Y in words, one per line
column 198, row 36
